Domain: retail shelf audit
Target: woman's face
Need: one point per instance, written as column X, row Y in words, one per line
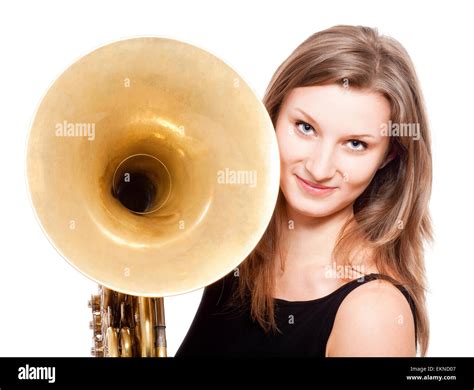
column 330, row 146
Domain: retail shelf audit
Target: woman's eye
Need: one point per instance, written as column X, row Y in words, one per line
column 357, row 145
column 304, row 128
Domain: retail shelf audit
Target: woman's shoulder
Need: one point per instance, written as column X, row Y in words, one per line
column 374, row 319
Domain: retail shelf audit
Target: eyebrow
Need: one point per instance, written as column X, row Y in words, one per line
column 314, row 121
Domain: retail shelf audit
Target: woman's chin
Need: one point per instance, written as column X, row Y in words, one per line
column 319, row 211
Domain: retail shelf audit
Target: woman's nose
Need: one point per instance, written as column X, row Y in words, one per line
column 320, row 164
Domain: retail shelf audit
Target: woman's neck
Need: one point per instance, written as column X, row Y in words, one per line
column 307, row 245
column 309, row 241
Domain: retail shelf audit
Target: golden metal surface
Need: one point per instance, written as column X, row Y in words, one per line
column 126, row 343
column 200, row 125
column 154, row 170
column 112, row 343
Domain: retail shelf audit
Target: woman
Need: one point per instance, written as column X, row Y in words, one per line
column 340, row 269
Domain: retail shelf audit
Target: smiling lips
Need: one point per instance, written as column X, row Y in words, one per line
column 315, row 185
column 312, row 188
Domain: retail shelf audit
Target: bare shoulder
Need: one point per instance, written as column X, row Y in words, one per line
column 374, row 319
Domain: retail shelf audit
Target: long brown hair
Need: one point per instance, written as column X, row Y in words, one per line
column 392, row 213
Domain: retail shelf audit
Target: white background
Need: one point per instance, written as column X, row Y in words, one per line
column 43, row 309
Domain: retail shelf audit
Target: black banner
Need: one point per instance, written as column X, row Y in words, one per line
column 430, row 373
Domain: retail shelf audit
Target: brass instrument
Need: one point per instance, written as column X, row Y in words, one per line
column 153, row 169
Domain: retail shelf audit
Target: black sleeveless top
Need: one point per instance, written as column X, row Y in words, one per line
column 305, row 326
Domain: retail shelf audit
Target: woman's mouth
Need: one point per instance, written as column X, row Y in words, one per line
column 312, row 188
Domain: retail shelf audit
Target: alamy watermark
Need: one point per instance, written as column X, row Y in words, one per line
column 71, row 129
column 335, row 271
column 232, row 176
column 391, row 129
column 37, row 373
